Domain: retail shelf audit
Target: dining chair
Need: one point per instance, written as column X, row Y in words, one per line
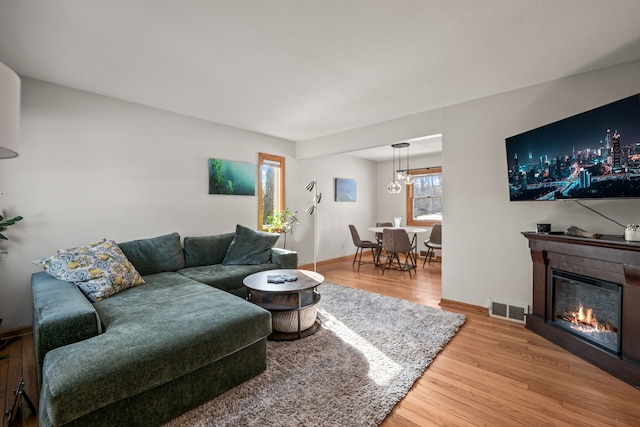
column 382, row 224
column 361, row 245
column 396, row 242
column 434, row 242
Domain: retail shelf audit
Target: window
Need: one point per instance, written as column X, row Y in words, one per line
column 424, row 197
column 270, row 185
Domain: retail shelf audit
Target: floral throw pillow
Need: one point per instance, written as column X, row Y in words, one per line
column 99, row 269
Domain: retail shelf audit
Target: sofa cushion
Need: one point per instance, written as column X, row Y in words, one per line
column 226, row 277
column 250, row 247
column 99, row 269
column 206, row 250
column 155, row 255
column 153, row 334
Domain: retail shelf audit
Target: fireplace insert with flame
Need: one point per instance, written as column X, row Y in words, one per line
column 587, row 307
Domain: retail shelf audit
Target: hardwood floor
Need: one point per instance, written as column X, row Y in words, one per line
column 493, row 372
column 20, row 363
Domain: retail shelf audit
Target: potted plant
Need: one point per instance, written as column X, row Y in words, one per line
column 3, row 226
column 282, row 222
column 4, row 223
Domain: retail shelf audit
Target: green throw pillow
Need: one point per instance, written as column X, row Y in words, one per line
column 99, row 269
column 155, row 254
column 250, row 247
column 206, row 250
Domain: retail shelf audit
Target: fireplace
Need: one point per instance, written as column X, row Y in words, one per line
column 588, row 308
column 586, row 298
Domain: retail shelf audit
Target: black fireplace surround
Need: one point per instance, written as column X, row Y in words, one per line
column 586, row 299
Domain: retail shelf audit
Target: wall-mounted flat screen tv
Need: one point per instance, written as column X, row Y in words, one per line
column 592, row 155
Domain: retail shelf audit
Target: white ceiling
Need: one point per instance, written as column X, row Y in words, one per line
column 301, row 69
column 423, row 146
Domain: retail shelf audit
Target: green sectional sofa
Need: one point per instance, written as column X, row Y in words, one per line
column 154, row 351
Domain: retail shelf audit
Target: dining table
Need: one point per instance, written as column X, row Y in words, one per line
column 410, row 230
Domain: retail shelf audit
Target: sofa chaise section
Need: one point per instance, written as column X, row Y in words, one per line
column 164, row 350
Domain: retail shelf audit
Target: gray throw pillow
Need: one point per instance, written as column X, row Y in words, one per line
column 250, row 247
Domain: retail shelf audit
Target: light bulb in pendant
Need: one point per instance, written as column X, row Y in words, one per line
column 394, row 188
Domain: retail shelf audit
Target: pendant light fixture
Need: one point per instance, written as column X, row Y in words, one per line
column 400, row 176
column 393, row 187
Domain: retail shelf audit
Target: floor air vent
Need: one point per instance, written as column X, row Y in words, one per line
column 508, row 311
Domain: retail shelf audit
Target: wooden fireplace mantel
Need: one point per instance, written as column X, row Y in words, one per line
column 609, row 258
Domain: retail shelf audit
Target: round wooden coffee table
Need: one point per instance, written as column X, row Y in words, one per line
column 292, row 303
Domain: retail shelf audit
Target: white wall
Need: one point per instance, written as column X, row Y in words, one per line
column 93, row 167
column 334, row 238
column 373, row 203
column 484, row 254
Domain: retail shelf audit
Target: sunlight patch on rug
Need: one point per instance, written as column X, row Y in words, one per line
column 381, row 368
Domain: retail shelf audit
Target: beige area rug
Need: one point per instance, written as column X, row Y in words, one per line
column 363, row 360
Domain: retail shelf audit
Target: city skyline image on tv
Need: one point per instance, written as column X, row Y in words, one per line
column 592, row 155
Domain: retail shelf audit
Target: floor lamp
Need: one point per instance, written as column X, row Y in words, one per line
column 313, row 210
